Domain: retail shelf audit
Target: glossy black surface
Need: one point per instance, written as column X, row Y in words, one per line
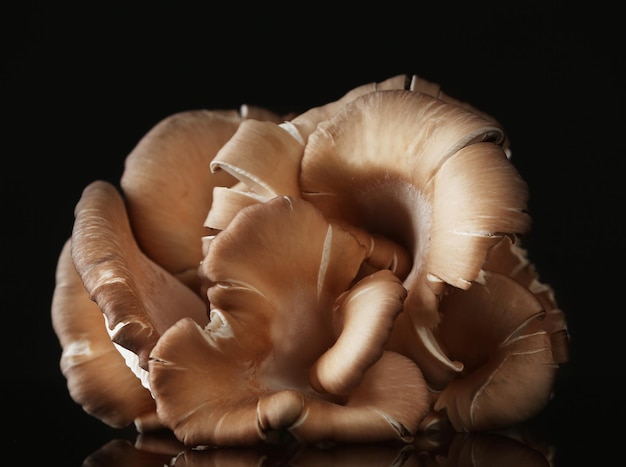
column 82, row 83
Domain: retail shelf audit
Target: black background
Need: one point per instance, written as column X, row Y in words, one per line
column 82, row 82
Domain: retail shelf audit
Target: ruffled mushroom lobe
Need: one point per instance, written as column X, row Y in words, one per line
column 176, row 154
column 361, row 274
column 509, row 258
column 419, row 84
column 301, row 126
column 265, row 160
column 139, row 299
column 265, row 157
column 497, row 330
column 97, row 376
column 428, row 175
column 276, row 273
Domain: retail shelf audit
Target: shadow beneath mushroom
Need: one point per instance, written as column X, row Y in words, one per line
column 437, row 448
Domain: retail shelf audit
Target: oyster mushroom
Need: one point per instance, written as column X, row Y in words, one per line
column 497, row 330
column 263, row 275
column 107, row 287
column 166, row 184
column 265, row 157
column 424, row 173
column 294, row 343
column 421, row 179
column 424, row 179
column 139, row 299
column 507, row 339
column 97, row 376
column 509, row 258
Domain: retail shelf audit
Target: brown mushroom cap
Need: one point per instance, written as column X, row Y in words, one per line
column 227, row 202
column 285, row 317
column 419, row 84
column 301, row 126
column 139, row 298
column 362, row 249
column 168, row 186
column 509, row 258
column 425, row 173
column 497, row 330
column 265, row 158
column 97, row 376
column 496, row 351
column 273, row 170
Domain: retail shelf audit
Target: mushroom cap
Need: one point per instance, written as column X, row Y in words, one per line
column 287, row 318
column 364, row 248
column 138, row 297
column 126, row 291
column 265, row 157
column 492, row 360
column 301, row 126
column 427, row 178
column 427, row 174
column 168, row 188
column 97, row 376
column 274, row 168
column 167, row 184
column 509, row 258
column 497, row 330
column 363, row 317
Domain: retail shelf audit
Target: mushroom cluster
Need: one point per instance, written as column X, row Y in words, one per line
column 352, row 273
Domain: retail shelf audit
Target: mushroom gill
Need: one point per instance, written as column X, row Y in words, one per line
column 295, row 341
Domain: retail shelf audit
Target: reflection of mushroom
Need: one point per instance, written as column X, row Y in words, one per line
column 475, row 449
column 122, row 453
column 283, row 325
column 462, row 449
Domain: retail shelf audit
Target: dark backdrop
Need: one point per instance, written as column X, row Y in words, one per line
column 82, row 82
